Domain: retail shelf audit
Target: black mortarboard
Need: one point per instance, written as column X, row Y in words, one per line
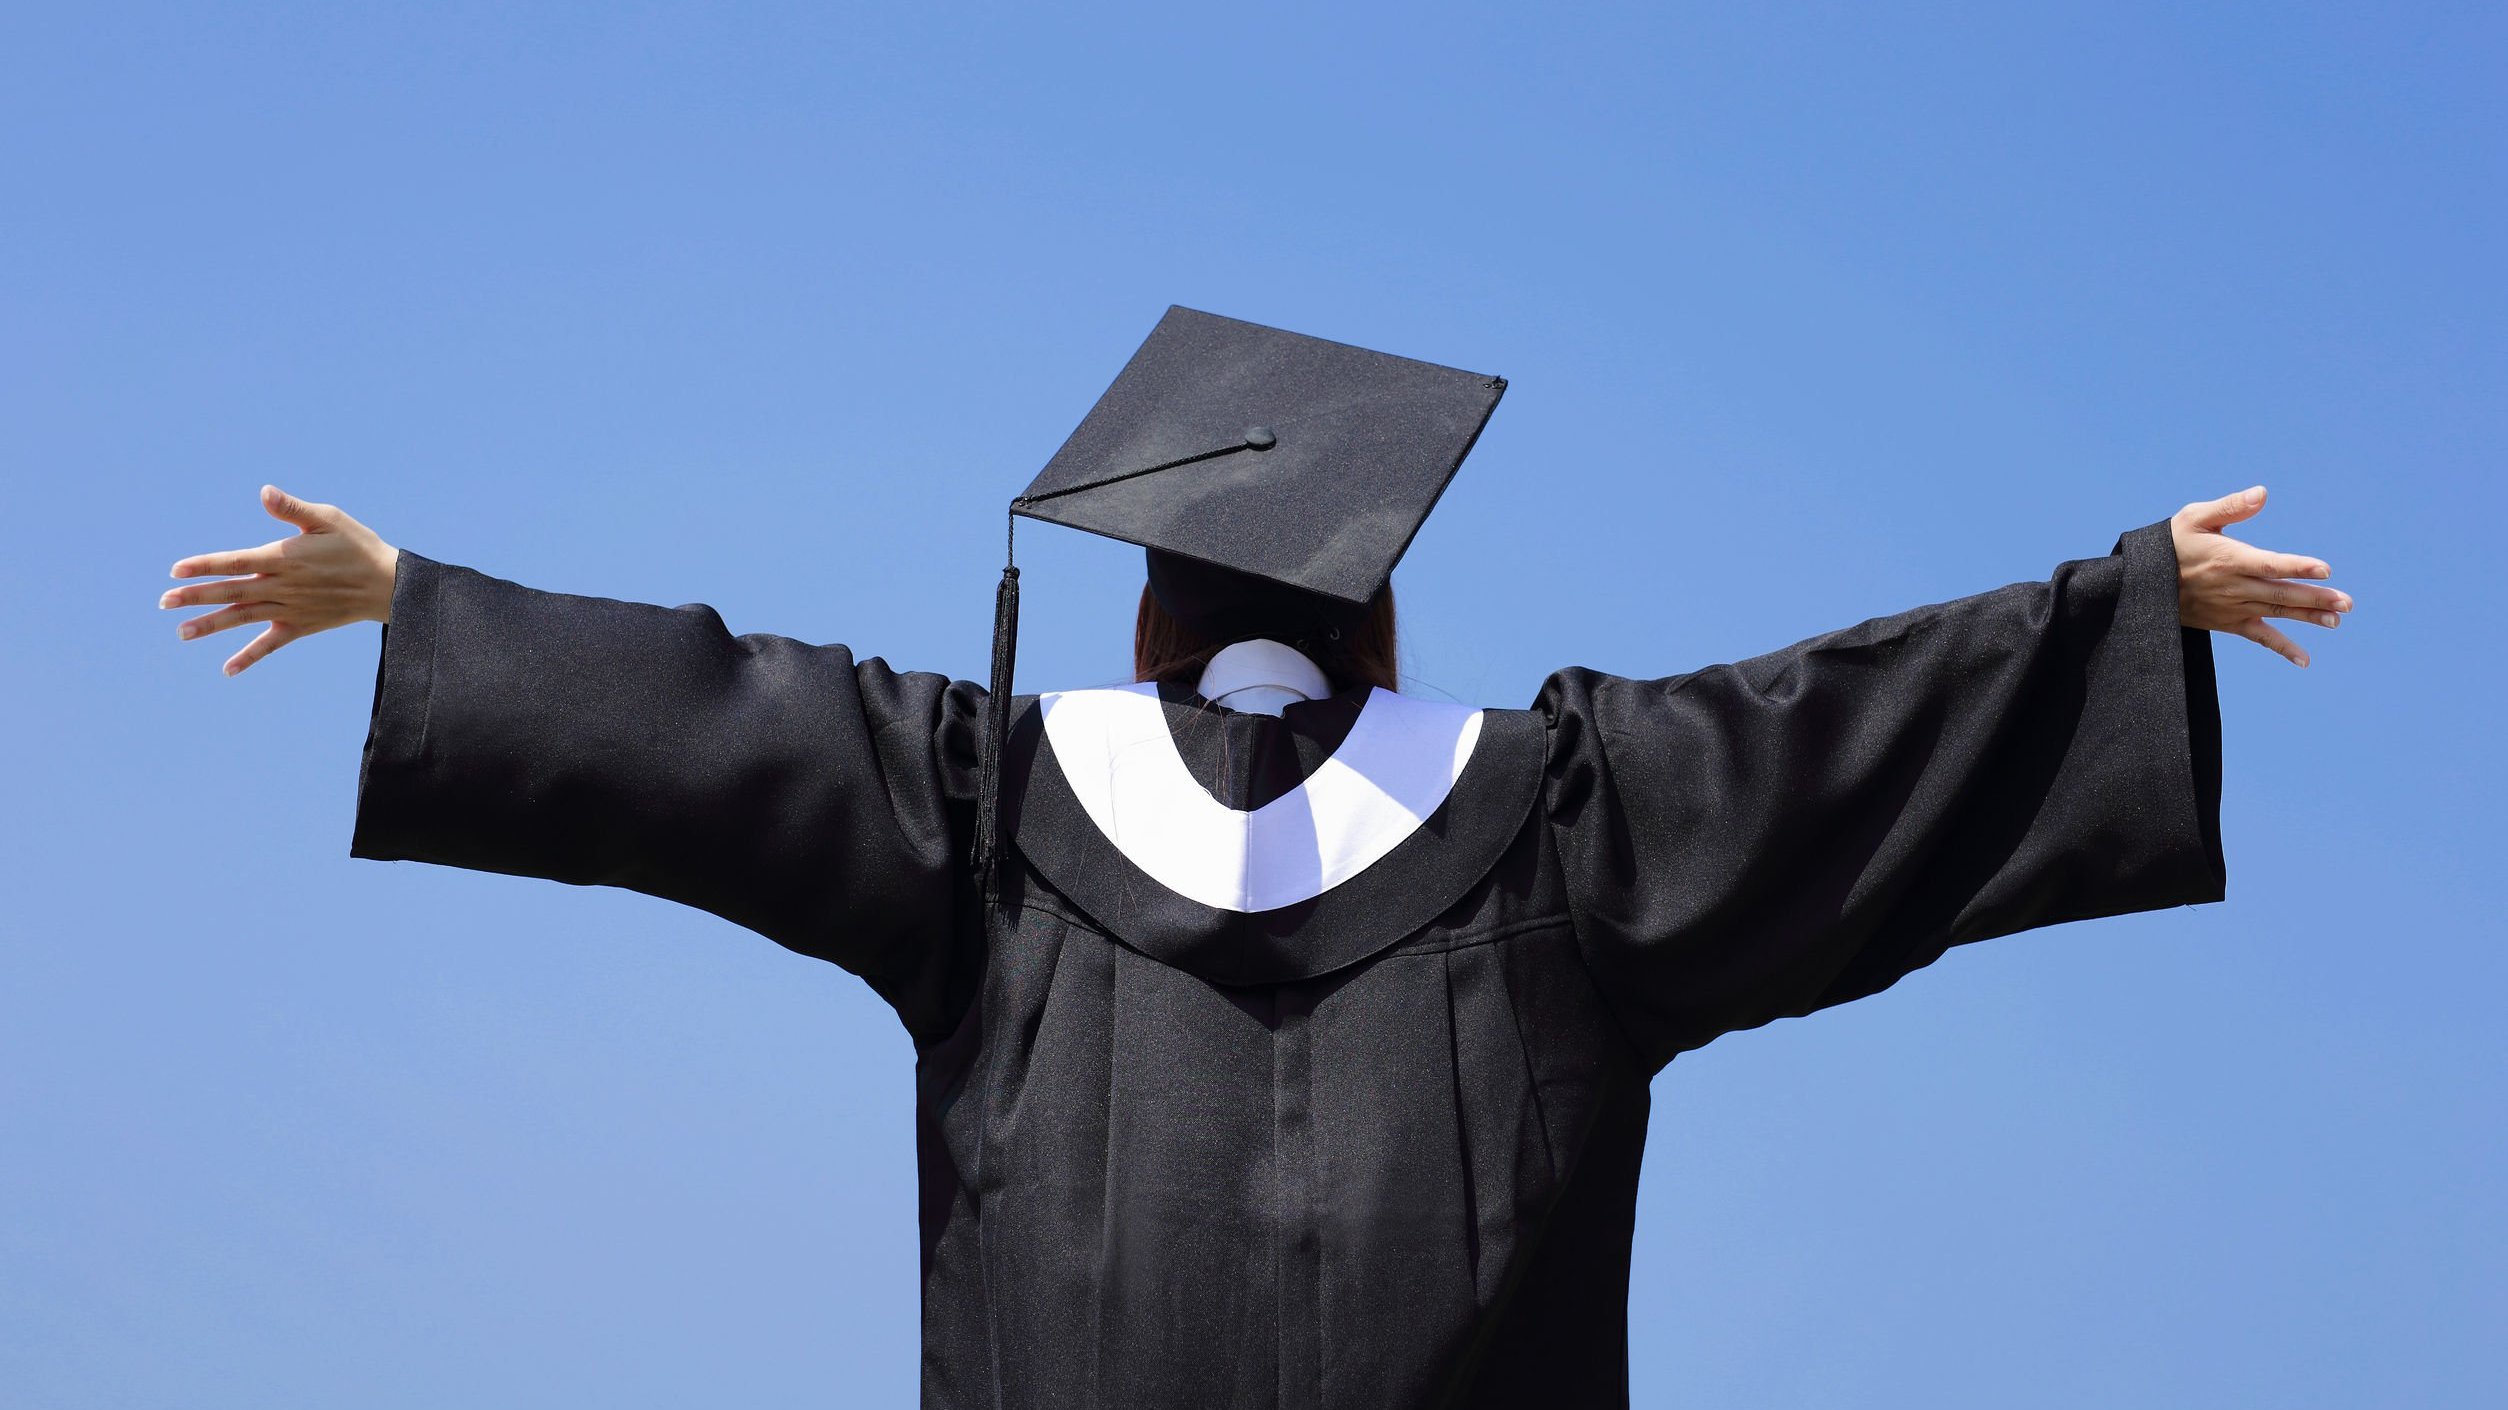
column 1266, row 472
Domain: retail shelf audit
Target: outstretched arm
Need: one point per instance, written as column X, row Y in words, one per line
column 824, row 802
column 1770, row 837
column 333, row 572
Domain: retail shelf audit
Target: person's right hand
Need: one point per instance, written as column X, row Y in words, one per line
column 334, row 572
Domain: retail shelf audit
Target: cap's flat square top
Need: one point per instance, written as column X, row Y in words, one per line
column 1308, row 462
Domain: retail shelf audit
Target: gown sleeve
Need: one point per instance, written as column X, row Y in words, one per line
column 1759, row 840
column 822, row 802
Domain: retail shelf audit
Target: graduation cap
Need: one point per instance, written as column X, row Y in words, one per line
column 1270, row 475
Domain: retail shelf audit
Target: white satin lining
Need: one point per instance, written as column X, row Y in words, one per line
column 1398, row 763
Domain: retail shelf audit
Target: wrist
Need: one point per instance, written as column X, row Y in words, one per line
column 387, row 577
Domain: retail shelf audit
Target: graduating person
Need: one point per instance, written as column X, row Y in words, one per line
column 1283, row 1039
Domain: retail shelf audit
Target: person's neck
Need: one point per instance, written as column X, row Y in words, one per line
column 1262, row 676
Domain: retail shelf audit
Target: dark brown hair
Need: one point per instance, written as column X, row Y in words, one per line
column 1167, row 651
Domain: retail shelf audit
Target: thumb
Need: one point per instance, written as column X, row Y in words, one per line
column 287, row 507
column 2228, row 509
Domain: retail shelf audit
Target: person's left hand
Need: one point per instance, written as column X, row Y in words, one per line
column 2224, row 585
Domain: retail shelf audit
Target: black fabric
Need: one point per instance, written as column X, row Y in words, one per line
column 1801, row 828
column 1408, row 1177
column 824, row 803
column 1294, row 459
column 1245, row 758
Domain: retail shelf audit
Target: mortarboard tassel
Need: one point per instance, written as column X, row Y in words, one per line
column 997, row 722
column 1006, row 655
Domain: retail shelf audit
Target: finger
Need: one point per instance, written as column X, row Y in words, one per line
column 2228, row 509
column 2273, row 590
column 276, row 635
column 226, row 617
column 264, row 559
column 304, row 514
column 2309, row 615
column 249, row 589
column 2257, row 630
column 2264, row 563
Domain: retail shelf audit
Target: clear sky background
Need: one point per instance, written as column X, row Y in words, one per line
column 1811, row 313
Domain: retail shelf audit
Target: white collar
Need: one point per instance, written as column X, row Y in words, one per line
column 1262, row 676
column 1400, row 760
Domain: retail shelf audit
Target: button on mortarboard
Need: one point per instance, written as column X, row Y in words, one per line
column 1356, row 447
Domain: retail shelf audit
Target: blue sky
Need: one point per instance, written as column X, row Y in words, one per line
column 1811, row 313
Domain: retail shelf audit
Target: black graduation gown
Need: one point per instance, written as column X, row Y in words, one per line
column 1380, row 1148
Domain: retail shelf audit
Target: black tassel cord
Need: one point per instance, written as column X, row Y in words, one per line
column 997, row 719
column 1006, row 652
